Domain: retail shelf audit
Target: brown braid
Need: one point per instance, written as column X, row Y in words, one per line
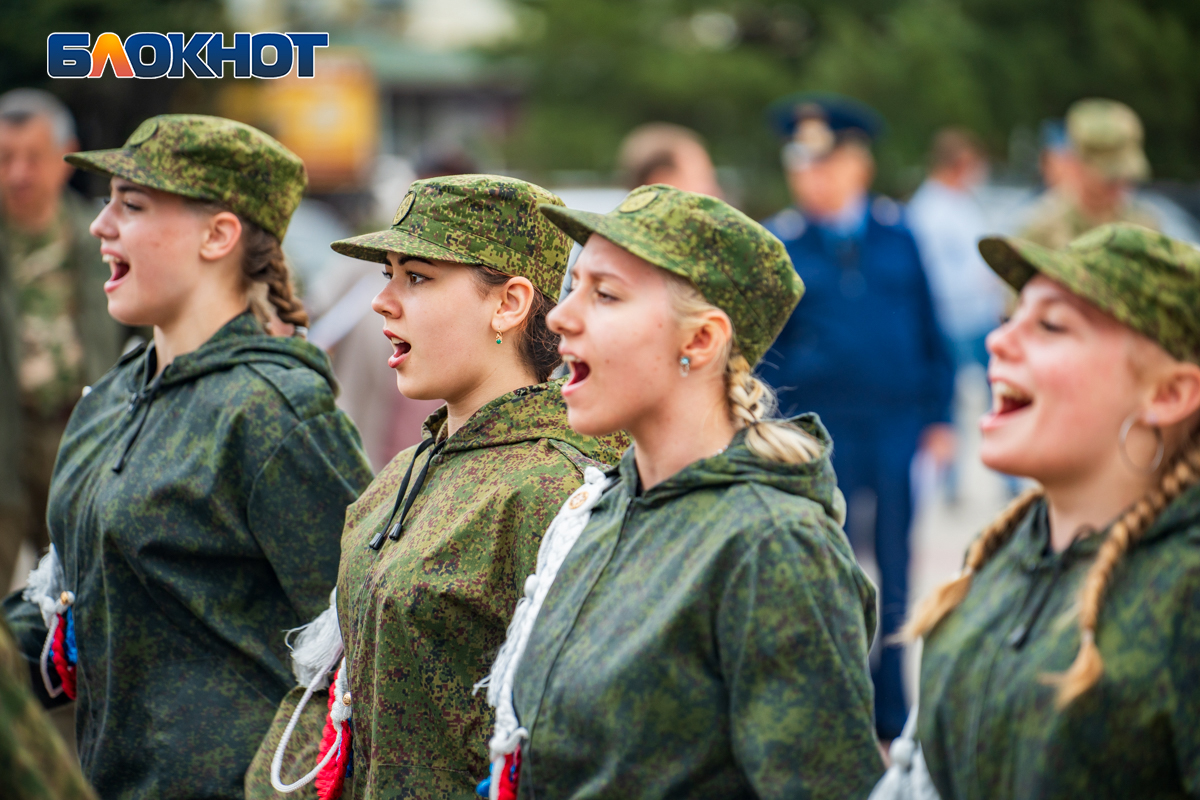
column 1183, row 472
column 945, row 598
column 263, row 262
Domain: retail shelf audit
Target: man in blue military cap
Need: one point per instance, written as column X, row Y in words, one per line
column 863, row 348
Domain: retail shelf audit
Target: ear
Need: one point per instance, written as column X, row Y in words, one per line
column 706, row 342
column 516, row 299
column 1176, row 395
column 221, row 236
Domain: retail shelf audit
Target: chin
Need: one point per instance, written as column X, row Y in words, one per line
column 589, row 423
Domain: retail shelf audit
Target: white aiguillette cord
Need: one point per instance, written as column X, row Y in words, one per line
column 560, row 537
column 339, row 714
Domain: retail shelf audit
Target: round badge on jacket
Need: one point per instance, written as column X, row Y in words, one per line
column 405, row 206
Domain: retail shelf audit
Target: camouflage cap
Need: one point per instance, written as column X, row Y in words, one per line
column 474, row 219
column 1107, row 136
column 735, row 263
column 209, row 158
column 1142, row 278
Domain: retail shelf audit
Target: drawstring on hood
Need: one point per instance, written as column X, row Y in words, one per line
column 241, row 341
column 376, row 542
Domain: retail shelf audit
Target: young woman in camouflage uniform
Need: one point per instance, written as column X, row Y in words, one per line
column 1062, row 662
column 436, row 551
column 201, row 483
column 707, row 634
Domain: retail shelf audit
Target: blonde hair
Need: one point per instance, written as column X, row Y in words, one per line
column 1182, row 473
column 750, row 402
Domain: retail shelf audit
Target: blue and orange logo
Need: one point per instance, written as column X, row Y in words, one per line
column 169, row 55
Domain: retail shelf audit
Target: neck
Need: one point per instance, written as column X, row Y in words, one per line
column 32, row 219
column 950, row 178
column 680, row 431
column 1091, row 502
column 504, row 378
column 193, row 326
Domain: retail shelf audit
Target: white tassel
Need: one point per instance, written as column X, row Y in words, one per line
column 45, row 590
column 560, row 537
column 317, row 645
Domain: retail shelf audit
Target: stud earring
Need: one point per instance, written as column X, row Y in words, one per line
column 499, row 337
column 685, row 366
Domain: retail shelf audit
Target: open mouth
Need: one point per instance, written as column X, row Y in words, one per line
column 119, row 268
column 1008, row 399
column 400, row 350
column 579, row 371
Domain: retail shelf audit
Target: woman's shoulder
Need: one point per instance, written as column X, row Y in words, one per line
column 275, row 388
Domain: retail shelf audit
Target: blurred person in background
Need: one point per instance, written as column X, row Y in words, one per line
column 1104, row 161
column 661, row 152
column 864, row 350
column 55, row 332
column 1055, row 159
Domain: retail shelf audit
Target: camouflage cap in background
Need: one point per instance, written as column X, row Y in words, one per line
column 1107, row 136
column 1142, row 278
column 474, row 219
column 735, row 263
column 209, row 158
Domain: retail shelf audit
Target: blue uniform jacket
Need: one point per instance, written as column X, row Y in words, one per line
column 864, row 339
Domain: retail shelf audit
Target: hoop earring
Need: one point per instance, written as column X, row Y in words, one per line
column 685, row 366
column 499, row 337
column 1126, row 426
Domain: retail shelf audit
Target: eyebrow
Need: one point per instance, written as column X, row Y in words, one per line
column 595, row 275
column 122, row 188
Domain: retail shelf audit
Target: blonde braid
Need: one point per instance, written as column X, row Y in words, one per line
column 945, row 598
column 1088, row 666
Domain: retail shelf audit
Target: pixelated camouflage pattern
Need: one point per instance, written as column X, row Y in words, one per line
column 423, row 618
column 34, row 762
column 220, row 532
column 1057, row 220
column 706, row 637
column 1107, row 136
column 1144, row 279
column 736, row 263
column 474, row 219
column 209, row 158
column 988, row 723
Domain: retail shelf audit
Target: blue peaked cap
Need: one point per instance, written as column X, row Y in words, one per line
column 841, row 114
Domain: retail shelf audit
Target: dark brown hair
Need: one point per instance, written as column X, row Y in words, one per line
column 537, row 345
column 263, row 262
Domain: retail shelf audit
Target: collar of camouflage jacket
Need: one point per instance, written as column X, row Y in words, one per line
column 242, row 340
column 736, row 464
column 530, row 413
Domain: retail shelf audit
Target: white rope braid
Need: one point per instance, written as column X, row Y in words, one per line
column 45, row 590
column 560, row 537
column 317, row 651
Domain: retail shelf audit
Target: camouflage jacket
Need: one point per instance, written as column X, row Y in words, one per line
column 706, row 638
column 1056, row 220
column 423, row 617
column 34, row 762
column 218, row 531
column 988, row 724
column 62, row 286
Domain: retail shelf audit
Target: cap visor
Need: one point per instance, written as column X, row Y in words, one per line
column 121, row 164
column 1017, row 261
column 579, row 225
column 376, row 246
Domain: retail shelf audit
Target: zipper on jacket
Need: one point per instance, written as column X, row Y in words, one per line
column 144, row 395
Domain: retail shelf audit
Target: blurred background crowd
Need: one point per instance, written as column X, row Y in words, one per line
column 879, row 139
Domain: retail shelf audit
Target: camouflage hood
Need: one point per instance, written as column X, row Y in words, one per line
column 529, row 414
column 815, row 480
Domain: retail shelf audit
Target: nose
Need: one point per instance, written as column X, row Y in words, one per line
column 386, row 304
column 563, row 319
column 1001, row 343
column 102, row 226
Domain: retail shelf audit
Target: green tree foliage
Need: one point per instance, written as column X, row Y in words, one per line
column 999, row 67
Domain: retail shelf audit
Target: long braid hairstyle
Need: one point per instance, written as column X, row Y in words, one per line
column 1181, row 473
column 751, row 402
column 263, row 262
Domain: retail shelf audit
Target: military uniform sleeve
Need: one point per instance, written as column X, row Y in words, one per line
column 298, row 506
column 1185, row 682
column 34, row 761
column 793, row 641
